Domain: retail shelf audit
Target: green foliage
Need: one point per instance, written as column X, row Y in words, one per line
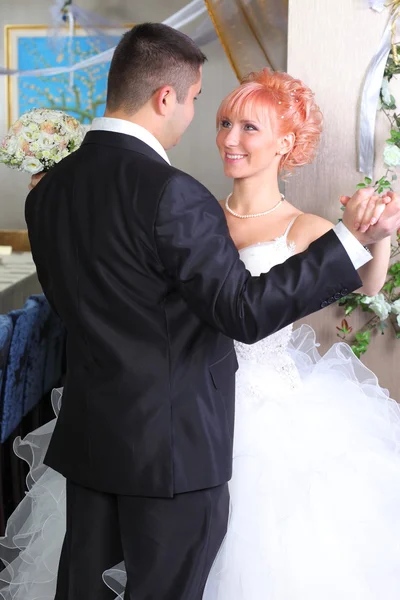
column 390, row 292
column 353, row 302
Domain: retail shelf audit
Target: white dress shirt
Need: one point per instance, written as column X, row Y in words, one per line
column 358, row 255
column 129, row 128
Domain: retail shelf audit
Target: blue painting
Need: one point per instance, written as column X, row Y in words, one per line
column 81, row 94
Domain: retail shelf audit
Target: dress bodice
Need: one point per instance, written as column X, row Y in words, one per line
column 273, row 350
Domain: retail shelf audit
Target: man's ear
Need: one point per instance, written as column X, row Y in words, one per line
column 164, row 100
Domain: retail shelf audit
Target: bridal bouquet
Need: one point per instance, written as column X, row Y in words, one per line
column 39, row 139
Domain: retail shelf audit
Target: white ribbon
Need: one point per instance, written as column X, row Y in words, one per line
column 56, row 13
column 369, row 104
column 186, row 15
column 71, row 31
column 204, row 33
column 182, row 17
column 378, row 5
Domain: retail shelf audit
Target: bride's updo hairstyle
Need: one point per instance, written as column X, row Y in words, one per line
column 287, row 104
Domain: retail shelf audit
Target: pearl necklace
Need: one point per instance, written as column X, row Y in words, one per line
column 261, row 214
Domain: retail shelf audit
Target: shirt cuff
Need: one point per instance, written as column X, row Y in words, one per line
column 358, row 255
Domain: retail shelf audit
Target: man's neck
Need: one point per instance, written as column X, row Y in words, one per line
column 122, row 123
column 136, row 119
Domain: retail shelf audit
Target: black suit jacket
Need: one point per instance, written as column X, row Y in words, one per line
column 136, row 258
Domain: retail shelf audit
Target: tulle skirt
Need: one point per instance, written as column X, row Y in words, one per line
column 315, row 493
column 35, row 531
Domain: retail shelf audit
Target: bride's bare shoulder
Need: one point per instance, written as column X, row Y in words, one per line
column 307, row 228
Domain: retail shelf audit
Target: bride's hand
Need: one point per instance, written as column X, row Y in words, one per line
column 35, row 179
column 369, row 210
column 388, row 212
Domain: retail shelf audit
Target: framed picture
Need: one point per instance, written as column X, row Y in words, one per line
column 81, row 94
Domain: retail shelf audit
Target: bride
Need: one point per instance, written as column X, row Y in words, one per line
column 315, row 492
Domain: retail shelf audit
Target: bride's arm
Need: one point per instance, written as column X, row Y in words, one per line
column 308, row 228
column 200, row 262
column 373, row 274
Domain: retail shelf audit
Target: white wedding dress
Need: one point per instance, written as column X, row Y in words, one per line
column 315, row 493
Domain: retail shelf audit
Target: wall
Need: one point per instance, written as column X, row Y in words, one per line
column 330, row 46
column 197, row 152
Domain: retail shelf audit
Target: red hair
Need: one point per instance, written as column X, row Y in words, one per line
column 287, row 104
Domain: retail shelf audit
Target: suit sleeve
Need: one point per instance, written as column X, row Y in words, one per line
column 38, row 251
column 199, row 256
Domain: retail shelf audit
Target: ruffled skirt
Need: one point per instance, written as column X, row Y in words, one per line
column 315, row 492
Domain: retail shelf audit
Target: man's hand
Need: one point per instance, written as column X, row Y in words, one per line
column 35, row 179
column 371, row 218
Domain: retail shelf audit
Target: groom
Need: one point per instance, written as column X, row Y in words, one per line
column 135, row 257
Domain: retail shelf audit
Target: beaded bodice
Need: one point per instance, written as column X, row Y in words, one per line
column 271, row 351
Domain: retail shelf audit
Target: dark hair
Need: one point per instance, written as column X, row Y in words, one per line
column 148, row 57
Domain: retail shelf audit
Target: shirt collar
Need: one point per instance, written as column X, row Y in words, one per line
column 129, row 128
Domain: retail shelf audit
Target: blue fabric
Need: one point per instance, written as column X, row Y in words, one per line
column 32, row 353
column 45, row 354
column 6, row 331
column 37, row 342
column 14, row 384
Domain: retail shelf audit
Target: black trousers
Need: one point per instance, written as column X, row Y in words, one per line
column 168, row 544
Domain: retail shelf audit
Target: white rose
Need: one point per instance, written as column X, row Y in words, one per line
column 32, row 165
column 391, row 155
column 36, row 115
column 70, row 124
column 12, row 145
column 68, row 129
column 33, row 127
column 46, row 154
column 379, row 305
column 396, row 307
column 35, row 146
column 60, row 156
column 385, row 91
column 30, row 136
column 381, row 309
column 46, row 141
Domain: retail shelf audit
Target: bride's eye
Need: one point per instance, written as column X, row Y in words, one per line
column 224, row 124
column 250, row 127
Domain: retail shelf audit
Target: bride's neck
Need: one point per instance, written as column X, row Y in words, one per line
column 254, row 194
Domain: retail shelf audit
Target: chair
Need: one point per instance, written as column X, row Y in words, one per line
column 37, row 341
column 6, row 331
column 14, row 384
column 45, row 354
